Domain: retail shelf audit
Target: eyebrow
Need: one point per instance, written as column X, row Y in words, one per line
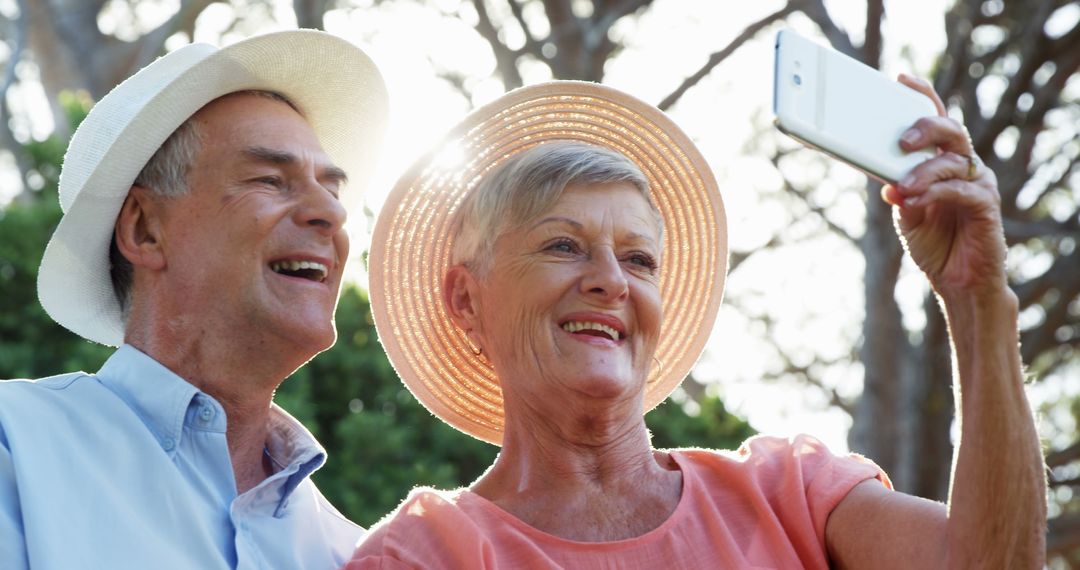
column 281, row 157
column 574, row 223
column 579, row 226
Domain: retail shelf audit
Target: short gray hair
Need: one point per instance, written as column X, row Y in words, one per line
column 526, row 186
column 165, row 175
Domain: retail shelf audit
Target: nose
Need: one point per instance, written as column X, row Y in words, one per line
column 605, row 278
column 320, row 209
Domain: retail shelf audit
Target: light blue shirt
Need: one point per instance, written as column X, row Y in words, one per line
column 129, row 468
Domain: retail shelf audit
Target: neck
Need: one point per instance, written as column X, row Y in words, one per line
column 241, row 378
column 597, row 480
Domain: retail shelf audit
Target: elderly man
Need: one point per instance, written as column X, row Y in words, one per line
column 204, row 205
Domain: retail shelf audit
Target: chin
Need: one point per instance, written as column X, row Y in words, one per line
column 607, row 386
column 309, row 339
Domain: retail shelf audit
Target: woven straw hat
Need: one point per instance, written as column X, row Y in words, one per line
column 335, row 85
column 410, row 247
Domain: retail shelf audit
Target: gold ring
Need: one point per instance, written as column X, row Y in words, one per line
column 973, row 166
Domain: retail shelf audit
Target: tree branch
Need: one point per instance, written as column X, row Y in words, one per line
column 624, row 8
column 505, row 58
column 805, row 200
column 1063, row 456
column 1065, row 269
column 715, row 59
column 1063, row 533
column 1043, row 338
column 815, row 10
column 1034, row 52
column 1060, row 182
column 18, row 44
column 737, row 257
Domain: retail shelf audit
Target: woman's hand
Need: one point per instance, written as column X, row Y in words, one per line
column 948, row 208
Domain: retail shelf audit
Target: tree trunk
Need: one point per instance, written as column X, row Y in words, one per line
column 925, row 433
column 309, row 13
column 875, row 429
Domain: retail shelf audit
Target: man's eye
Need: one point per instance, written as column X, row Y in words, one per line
column 273, row 181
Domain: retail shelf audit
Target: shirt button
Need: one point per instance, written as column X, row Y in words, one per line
column 168, row 444
column 206, row 414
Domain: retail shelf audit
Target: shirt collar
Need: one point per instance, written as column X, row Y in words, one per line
column 289, row 443
column 155, row 393
column 162, row 400
column 294, row 452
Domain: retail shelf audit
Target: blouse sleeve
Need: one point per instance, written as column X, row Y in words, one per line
column 804, row 465
column 427, row 531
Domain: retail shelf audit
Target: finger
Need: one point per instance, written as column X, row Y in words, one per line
column 954, row 193
column 908, row 214
column 941, row 132
column 892, row 195
column 946, row 166
column 923, row 86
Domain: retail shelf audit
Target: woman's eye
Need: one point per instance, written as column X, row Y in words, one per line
column 643, row 260
column 562, row 246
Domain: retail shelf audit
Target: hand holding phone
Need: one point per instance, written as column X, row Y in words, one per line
column 845, row 108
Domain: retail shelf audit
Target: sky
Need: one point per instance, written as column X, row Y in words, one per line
column 819, row 284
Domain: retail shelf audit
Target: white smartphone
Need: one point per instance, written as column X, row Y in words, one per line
column 838, row 105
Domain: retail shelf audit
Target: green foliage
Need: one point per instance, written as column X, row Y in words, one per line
column 31, row 344
column 711, row 426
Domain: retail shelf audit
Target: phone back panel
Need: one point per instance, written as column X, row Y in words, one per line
column 848, row 109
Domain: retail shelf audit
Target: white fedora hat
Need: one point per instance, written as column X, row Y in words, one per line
column 336, row 86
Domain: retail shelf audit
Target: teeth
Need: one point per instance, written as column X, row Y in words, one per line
column 295, row 265
column 576, row 326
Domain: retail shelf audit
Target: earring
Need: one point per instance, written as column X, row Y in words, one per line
column 659, row 367
column 476, row 349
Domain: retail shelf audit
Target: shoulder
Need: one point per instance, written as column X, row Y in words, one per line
column 57, row 382
column 34, row 396
column 66, row 404
column 332, row 522
column 763, row 453
column 430, row 529
column 426, row 512
column 779, row 465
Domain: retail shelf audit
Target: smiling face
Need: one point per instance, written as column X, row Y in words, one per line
column 256, row 248
column 570, row 307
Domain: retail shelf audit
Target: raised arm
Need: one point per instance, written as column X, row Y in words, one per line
column 948, row 214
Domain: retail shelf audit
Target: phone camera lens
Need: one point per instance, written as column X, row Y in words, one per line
column 797, row 79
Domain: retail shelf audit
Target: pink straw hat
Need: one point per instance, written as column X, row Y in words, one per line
column 410, row 247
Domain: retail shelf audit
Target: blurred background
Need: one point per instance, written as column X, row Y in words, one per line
column 826, row 326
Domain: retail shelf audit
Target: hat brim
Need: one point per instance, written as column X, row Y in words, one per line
column 334, row 84
column 410, row 247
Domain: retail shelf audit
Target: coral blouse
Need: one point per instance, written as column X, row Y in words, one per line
column 763, row 506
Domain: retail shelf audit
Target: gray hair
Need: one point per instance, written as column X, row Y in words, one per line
column 527, row 185
column 165, row 175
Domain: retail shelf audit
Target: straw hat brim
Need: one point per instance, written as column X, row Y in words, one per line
column 410, row 247
column 334, row 84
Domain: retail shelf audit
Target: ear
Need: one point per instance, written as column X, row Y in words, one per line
column 459, row 294
column 138, row 230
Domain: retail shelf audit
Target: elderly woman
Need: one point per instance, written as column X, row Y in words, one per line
column 552, row 272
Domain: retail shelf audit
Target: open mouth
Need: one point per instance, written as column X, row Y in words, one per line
column 591, row 329
column 310, row 270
